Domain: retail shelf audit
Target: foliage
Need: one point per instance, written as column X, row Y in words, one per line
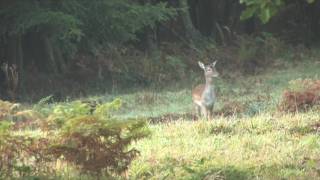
column 20, row 18
column 23, row 118
column 261, row 8
column 264, row 9
column 94, row 142
column 4, row 128
column 93, row 23
column 125, row 17
column 63, row 112
column 258, row 52
column 97, row 142
column 22, row 154
column 7, row 109
column 163, row 68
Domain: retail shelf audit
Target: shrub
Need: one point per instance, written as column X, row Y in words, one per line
column 301, row 95
column 21, row 155
column 7, row 109
column 257, row 52
column 92, row 140
column 63, row 112
column 98, row 143
column 22, row 118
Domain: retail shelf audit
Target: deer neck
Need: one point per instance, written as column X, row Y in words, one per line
column 209, row 83
column 208, row 94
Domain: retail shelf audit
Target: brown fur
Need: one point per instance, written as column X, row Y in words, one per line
column 197, row 92
column 203, row 95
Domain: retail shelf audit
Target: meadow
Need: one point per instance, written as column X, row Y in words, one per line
column 255, row 142
column 248, row 137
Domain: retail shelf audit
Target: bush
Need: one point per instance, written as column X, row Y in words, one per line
column 301, row 95
column 20, row 155
column 7, row 109
column 93, row 141
column 97, row 143
column 22, row 118
column 257, row 52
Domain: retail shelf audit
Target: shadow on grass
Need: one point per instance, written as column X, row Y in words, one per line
column 313, row 128
column 203, row 169
column 172, row 168
column 221, row 129
column 172, row 117
column 228, row 172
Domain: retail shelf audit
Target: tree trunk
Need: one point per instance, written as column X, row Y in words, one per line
column 191, row 32
column 49, row 55
column 15, row 57
column 60, row 59
column 151, row 40
column 20, row 64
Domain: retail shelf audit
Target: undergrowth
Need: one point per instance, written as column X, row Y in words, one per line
column 68, row 136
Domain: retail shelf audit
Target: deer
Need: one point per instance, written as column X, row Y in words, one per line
column 203, row 95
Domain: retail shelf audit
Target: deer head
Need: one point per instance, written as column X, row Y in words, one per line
column 209, row 70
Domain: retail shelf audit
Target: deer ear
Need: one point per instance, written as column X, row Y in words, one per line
column 201, row 64
column 214, row 63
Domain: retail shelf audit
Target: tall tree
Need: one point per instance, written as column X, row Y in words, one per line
column 191, row 31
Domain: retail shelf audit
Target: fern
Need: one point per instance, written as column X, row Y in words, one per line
column 98, row 143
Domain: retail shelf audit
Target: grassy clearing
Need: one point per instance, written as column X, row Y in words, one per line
column 260, row 147
column 260, row 93
column 259, row 143
column 256, row 143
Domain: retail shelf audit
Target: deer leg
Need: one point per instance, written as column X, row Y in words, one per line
column 204, row 112
column 197, row 109
column 210, row 112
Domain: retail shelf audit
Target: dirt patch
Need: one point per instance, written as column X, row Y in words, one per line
column 303, row 95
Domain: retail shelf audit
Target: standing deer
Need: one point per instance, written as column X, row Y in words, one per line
column 203, row 95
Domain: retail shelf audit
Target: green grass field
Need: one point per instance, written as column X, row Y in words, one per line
column 261, row 147
column 257, row 143
column 259, row 93
column 248, row 138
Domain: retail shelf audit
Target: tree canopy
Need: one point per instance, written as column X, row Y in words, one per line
column 264, row 9
column 46, row 35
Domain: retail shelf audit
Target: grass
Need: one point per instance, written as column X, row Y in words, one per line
column 260, row 93
column 259, row 147
column 261, row 143
column 256, row 143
